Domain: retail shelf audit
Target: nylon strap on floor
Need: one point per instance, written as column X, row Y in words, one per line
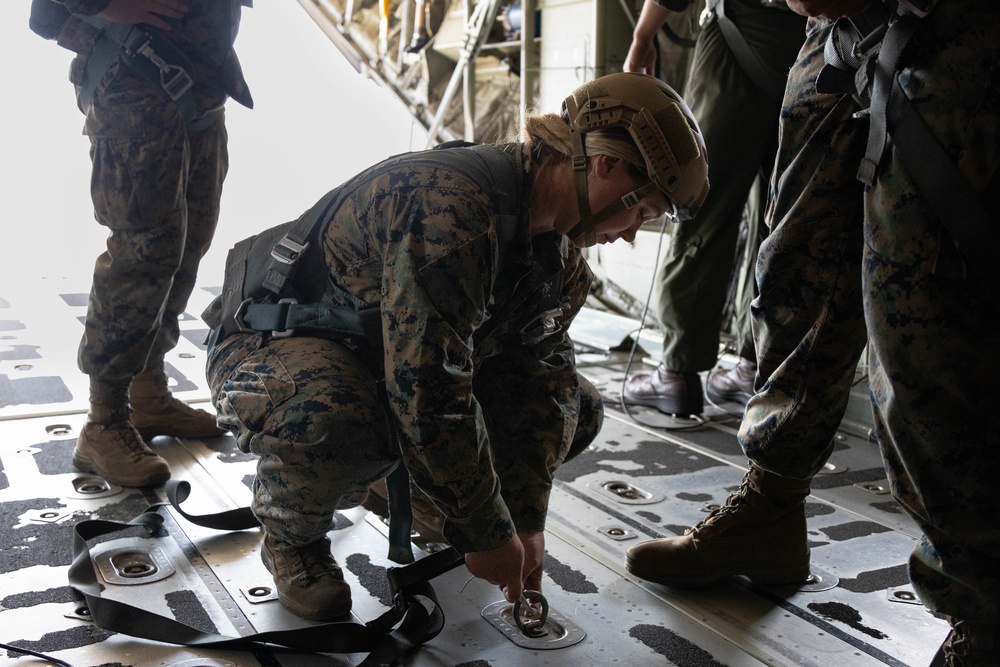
column 405, row 626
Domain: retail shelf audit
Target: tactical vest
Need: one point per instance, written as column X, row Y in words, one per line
column 275, row 281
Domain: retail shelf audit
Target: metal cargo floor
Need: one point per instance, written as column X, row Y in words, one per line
column 636, row 482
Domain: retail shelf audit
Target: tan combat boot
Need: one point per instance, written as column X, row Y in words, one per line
column 156, row 412
column 310, row 583
column 969, row 645
column 110, row 446
column 760, row 532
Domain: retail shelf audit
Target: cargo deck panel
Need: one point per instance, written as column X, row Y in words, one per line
column 637, row 481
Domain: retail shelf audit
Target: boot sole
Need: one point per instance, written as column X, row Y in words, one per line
column 147, row 433
column 85, row 464
column 775, row 574
column 728, row 396
column 665, row 405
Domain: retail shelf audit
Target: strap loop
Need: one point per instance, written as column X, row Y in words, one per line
column 413, row 624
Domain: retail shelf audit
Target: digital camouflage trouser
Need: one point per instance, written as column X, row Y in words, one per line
column 156, row 187
column 840, row 259
column 311, row 409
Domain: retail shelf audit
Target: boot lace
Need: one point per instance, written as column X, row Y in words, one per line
column 733, row 503
column 957, row 647
column 127, row 438
column 305, row 564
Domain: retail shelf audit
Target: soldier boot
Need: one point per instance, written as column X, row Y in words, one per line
column 310, row 583
column 155, row 411
column 760, row 532
column 672, row 392
column 734, row 384
column 968, row 645
column 109, row 444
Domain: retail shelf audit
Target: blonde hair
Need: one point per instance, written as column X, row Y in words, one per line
column 548, row 138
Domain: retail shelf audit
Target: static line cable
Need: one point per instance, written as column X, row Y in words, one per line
column 47, row 658
column 693, row 421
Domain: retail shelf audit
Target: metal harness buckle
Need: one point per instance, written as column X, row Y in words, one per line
column 541, row 327
column 174, row 79
column 288, row 251
column 238, row 320
column 287, row 333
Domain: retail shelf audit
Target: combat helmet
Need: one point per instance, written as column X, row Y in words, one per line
column 663, row 129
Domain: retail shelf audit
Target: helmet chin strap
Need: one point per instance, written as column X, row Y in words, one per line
column 589, row 221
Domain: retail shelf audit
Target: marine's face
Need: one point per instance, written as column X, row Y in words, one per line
column 607, row 185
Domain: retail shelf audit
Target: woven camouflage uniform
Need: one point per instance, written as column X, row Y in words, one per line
column 841, row 261
column 477, row 406
column 156, row 186
column 738, row 119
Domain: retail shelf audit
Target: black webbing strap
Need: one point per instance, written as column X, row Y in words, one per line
column 146, row 51
column 406, row 625
column 317, row 319
column 862, row 58
column 960, row 208
column 897, row 36
column 286, row 253
column 766, row 79
column 397, row 485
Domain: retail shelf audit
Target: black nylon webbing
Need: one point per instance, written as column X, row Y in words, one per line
column 413, row 623
column 765, row 78
column 960, row 208
column 893, row 44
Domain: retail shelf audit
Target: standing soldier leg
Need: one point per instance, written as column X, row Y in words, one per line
column 809, row 329
column 154, row 410
column 738, row 120
column 935, row 336
column 139, row 154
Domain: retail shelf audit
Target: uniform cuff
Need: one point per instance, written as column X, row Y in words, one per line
column 673, row 5
column 488, row 528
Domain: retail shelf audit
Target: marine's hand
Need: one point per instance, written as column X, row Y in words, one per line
column 534, row 557
column 150, row 12
column 641, row 57
column 502, row 566
column 828, row 9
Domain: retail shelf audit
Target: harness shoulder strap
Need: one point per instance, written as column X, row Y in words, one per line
column 948, row 192
column 147, row 51
column 762, row 75
column 863, row 55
